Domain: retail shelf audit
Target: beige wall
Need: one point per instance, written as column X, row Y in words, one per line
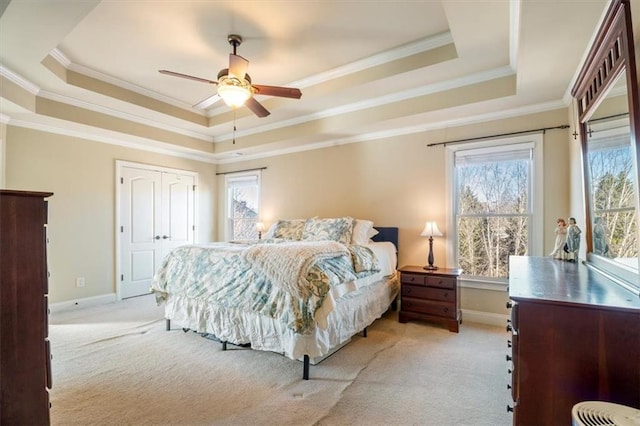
column 401, row 182
column 395, row 182
column 81, row 174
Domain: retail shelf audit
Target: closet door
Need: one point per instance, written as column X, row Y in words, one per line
column 140, row 229
column 156, row 214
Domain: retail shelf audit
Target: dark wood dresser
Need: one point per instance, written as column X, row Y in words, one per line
column 575, row 337
column 430, row 295
column 25, row 361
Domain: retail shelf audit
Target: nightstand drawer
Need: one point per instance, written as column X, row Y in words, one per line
column 420, row 292
column 429, row 307
column 413, row 279
column 441, row 282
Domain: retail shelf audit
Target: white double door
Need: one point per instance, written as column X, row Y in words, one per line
column 156, row 214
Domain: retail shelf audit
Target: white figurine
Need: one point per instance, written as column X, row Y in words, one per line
column 561, row 238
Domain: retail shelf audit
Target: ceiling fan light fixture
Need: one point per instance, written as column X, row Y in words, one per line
column 233, row 92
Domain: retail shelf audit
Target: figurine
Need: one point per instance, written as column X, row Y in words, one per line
column 573, row 240
column 600, row 244
column 561, row 238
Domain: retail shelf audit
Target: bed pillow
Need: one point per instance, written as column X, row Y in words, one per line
column 338, row 229
column 289, row 229
column 362, row 231
column 270, row 231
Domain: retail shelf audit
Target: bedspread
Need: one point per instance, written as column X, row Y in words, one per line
column 223, row 274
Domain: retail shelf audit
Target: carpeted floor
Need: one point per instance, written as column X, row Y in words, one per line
column 116, row 365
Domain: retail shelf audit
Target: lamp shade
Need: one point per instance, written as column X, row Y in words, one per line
column 234, row 95
column 431, row 230
column 260, row 226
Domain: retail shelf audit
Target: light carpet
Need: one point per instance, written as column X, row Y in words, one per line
column 116, row 365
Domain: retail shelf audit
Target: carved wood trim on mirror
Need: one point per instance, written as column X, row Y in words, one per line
column 610, row 66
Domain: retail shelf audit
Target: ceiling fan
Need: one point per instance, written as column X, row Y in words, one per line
column 234, row 84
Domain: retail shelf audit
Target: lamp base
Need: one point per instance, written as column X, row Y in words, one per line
column 430, row 267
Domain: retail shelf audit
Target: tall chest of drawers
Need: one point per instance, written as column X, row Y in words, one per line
column 430, row 295
column 575, row 336
column 25, row 360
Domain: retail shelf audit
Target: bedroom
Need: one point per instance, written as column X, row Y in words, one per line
column 388, row 174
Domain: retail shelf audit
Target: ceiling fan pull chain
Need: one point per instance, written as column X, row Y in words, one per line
column 234, row 126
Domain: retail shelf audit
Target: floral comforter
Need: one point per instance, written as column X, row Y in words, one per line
column 236, row 275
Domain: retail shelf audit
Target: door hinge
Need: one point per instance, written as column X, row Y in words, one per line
column 121, row 180
column 194, row 188
column 122, row 229
column 193, row 227
column 122, row 277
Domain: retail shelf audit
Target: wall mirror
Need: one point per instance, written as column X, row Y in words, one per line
column 607, row 97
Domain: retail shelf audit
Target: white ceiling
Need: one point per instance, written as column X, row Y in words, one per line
column 366, row 69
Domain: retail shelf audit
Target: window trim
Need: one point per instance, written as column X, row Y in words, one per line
column 537, row 202
column 228, row 231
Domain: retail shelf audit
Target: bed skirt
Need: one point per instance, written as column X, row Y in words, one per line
column 351, row 314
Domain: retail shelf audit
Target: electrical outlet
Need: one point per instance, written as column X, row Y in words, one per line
column 80, row 282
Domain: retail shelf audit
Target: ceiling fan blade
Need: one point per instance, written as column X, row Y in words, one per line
column 237, row 66
column 283, row 92
column 256, row 107
column 190, row 77
column 207, row 102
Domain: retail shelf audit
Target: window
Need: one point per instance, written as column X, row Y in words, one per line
column 493, row 205
column 243, row 205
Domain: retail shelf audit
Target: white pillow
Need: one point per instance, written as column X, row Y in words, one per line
column 271, row 230
column 362, row 232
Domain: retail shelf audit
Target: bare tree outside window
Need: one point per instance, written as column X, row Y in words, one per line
column 243, row 207
column 493, row 212
column 613, row 199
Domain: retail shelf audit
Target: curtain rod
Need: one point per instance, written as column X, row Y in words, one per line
column 543, row 130
column 241, row 171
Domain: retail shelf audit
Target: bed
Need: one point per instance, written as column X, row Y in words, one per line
column 303, row 291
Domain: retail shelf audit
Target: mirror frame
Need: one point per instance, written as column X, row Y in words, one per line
column 611, row 54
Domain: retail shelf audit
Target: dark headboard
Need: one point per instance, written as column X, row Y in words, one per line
column 387, row 234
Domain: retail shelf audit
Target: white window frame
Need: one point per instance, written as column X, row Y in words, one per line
column 537, row 201
column 228, row 181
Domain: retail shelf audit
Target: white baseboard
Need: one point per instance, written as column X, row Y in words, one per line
column 82, row 303
column 488, row 318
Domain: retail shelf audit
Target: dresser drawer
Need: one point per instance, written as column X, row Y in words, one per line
column 441, row 282
column 429, row 307
column 421, row 292
column 413, row 279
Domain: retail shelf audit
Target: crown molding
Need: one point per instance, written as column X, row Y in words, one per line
column 379, row 101
column 19, row 80
column 514, row 32
column 385, row 134
column 123, row 115
column 59, row 56
column 403, row 51
column 127, row 141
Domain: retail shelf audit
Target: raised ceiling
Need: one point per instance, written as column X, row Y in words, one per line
column 367, row 69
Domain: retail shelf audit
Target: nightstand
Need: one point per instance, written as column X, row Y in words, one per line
column 430, row 296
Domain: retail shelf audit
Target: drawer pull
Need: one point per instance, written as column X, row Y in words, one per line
column 412, row 279
column 445, row 310
column 408, row 290
column 509, row 409
column 508, row 343
column 508, row 357
column 446, row 294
